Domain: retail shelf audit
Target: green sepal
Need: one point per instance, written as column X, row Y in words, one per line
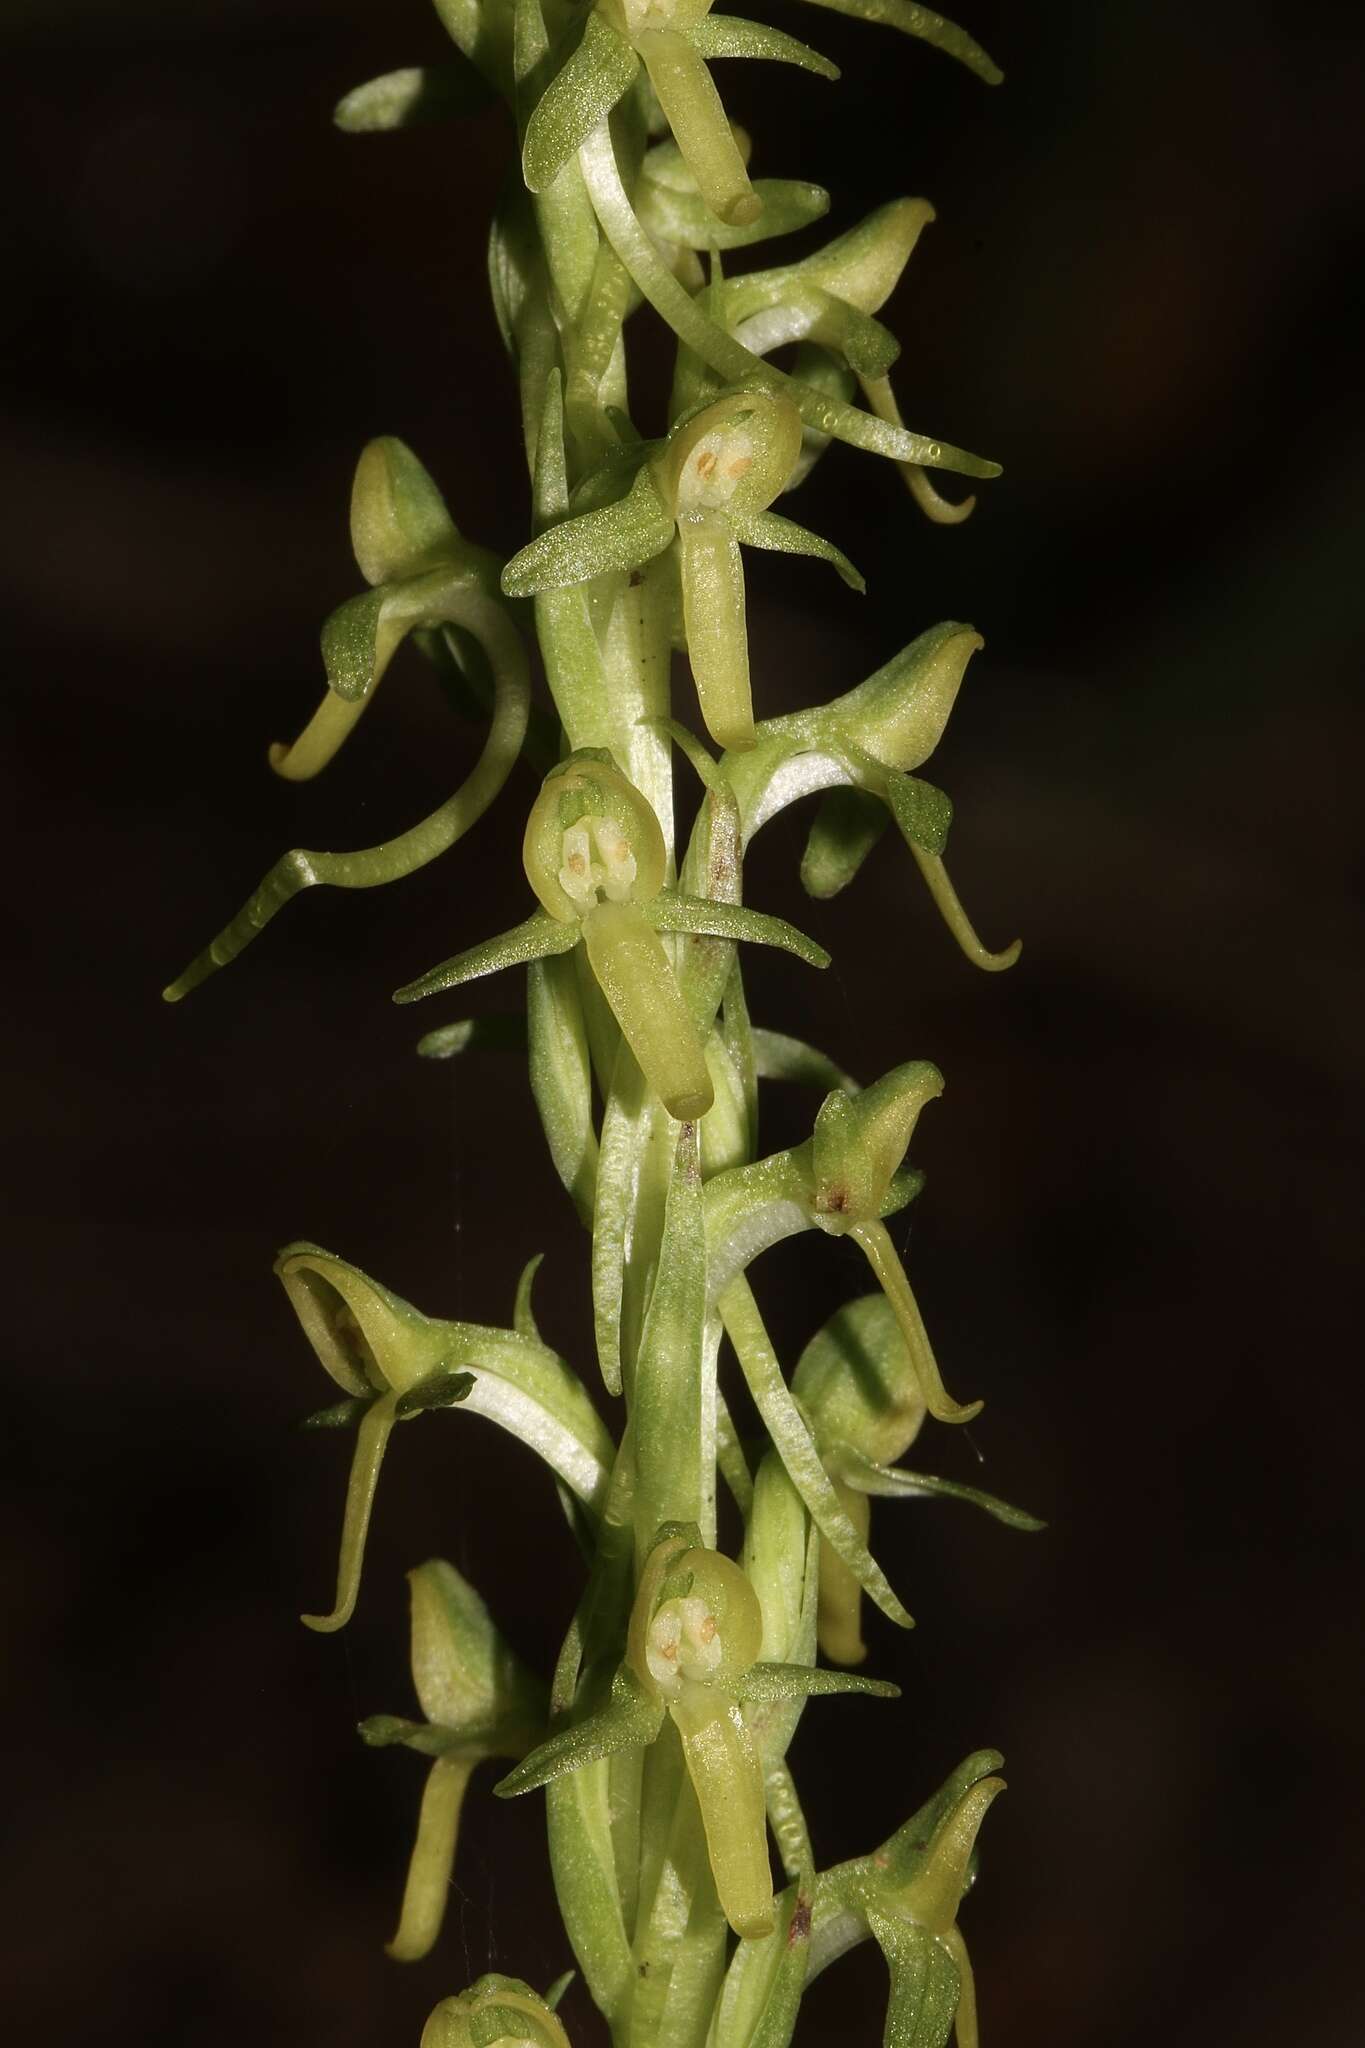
column 759, row 2002
column 682, row 216
column 672, row 912
column 727, row 35
column 860, row 268
column 784, row 537
column 341, row 1415
column 360, row 637
column 856, row 1382
column 412, row 97
column 926, row 27
column 583, row 92
column 780, row 1058
column 612, row 540
column 536, row 939
column 891, row 1482
column 439, row 1390
column 860, row 1141
column 400, row 525
column 631, row 1718
column 847, row 824
column 925, row 1984
column 764, row 1682
column 922, row 812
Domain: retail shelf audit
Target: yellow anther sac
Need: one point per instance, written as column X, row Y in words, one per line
column 734, row 456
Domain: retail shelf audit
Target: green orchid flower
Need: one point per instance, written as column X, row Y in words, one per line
column 420, row 569
column 692, row 1656
column 857, row 753
column 427, row 580
column 394, row 1363
column 826, row 305
column 707, row 489
column 594, row 854
column 497, row 2012
column 906, row 1895
column 857, row 1385
column 479, row 1701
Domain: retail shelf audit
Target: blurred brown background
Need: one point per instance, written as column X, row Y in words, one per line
column 1142, row 1198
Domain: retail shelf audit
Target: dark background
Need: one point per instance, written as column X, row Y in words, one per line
column 1142, row 1192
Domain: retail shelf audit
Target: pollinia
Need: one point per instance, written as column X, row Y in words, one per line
column 660, row 1739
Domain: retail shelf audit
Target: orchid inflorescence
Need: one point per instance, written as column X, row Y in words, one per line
column 661, row 1738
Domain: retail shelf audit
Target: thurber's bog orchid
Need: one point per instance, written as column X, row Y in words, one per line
column 696, row 1908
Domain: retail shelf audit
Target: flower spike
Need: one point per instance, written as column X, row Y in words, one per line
column 479, row 1701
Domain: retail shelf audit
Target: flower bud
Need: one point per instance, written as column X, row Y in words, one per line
column 497, row 2012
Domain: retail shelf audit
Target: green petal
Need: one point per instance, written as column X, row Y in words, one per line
column 612, row 540
column 726, row 35
column 927, row 26
column 803, row 1681
column 847, row 824
column 600, row 71
column 536, row 939
column 671, row 912
column 784, row 537
column 412, row 97
column 922, row 812
column 892, row 1482
column 631, row 1719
